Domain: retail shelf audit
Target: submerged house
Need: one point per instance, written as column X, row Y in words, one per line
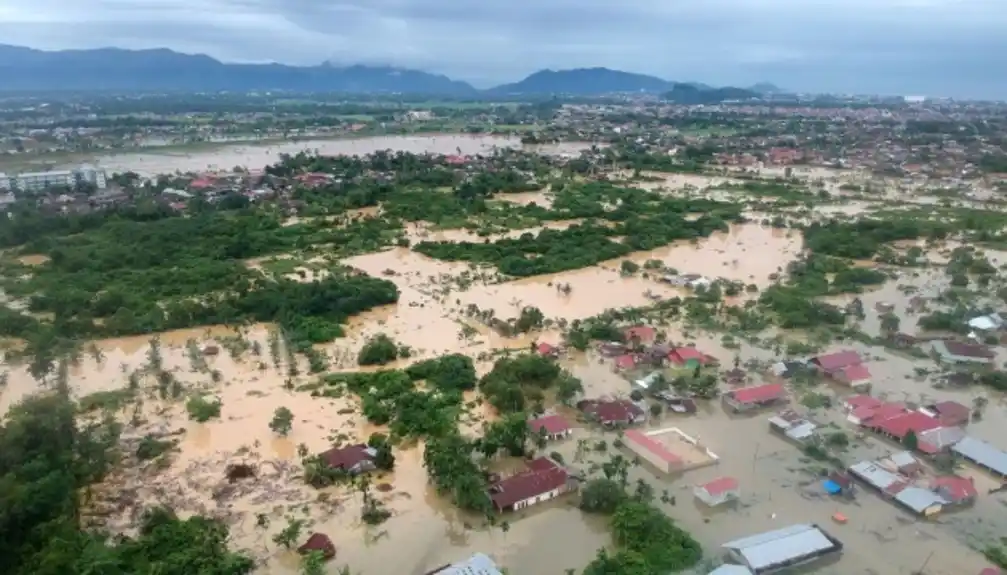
column 353, row 459
column 958, row 353
column 845, row 367
column 755, row 397
column 552, row 427
column 718, row 491
column 544, row 479
column 784, row 548
column 898, row 488
column 478, row 564
column 612, row 412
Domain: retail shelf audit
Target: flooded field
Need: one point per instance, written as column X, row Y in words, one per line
column 226, row 157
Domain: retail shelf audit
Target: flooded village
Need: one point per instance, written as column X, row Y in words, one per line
column 548, row 360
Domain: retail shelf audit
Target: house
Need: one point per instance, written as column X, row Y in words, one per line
column 754, row 397
column 792, row 426
column 958, row 353
column 941, row 438
column 641, row 334
column 547, row 350
column 553, row 427
column 669, row 450
column 612, row 413
column 856, row 376
column 318, row 542
column 203, row 183
column 718, row 491
column 898, row 488
column 845, row 367
column 544, row 479
column 836, row 362
column 625, row 362
column 899, row 427
column 955, row 489
column 688, row 358
column 647, row 381
column 949, row 413
column 478, row 564
column 902, row 462
column 783, row 548
column 353, row 459
column 984, row 455
column 871, row 414
column 787, row 369
column 855, row 402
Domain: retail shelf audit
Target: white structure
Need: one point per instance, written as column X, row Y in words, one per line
column 38, row 181
column 782, row 548
column 478, row 564
column 718, row 491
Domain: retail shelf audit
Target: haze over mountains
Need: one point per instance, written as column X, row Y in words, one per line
column 114, row 69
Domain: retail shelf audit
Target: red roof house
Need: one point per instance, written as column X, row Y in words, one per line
column 956, row 489
column 352, row 458
column 547, row 350
column 898, row 427
column 202, row 183
column 543, row 480
column 640, row 333
column 856, row 402
column 755, row 396
column 624, row 362
column 718, row 491
column 949, row 413
column 455, row 160
column 653, row 451
column 612, row 412
column 681, row 356
column 553, row 426
column 855, row 376
column 834, row 362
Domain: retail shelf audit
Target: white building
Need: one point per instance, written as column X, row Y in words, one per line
column 5, row 183
column 38, row 181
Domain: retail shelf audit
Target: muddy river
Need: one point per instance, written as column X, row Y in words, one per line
column 779, row 485
column 255, row 156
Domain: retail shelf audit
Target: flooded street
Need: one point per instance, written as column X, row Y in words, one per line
column 255, row 156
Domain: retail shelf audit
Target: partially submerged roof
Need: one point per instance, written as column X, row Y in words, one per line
column 919, row 499
column 877, row 476
column 478, row 564
column 542, row 476
column 857, row 372
column 758, row 393
column 782, row 546
column 982, row 453
column 955, row 488
column 552, row 424
column 652, row 445
column 347, row 457
column 838, row 360
column 720, row 486
column 963, row 350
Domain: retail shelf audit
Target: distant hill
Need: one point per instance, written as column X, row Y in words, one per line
column 584, row 82
column 766, row 88
column 687, row 94
column 26, row 69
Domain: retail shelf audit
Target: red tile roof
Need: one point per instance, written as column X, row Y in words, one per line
column 319, row 542
column 857, row 402
column 346, row 457
column 758, row 393
column 901, row 425
column 552, row 424
column 838, row 360
column 542, row 476
column 201, row 183
column 644, row 333
column 952, row 412
column 627, row 361
column 608, row 412
column 968, row 349
column 992, row 571
column 856, row 373
column 956, row 488
column 546, row 349
column 653, row 446
column 881, row 413
column 681, row 355
column 721, row 485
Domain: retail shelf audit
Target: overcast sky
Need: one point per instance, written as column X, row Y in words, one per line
column 926, row 47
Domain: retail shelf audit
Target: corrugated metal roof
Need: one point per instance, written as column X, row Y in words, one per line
column 875, row 475
column 780, row 546
column 478, row 564
column 982, row 453
column 919, row 499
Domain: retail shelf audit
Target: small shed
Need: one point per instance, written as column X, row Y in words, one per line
column 718, row 491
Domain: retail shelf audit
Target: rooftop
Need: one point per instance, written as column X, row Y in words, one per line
column 758, row 393
column 783, row 546
column 542, row 476
column 552, row 424
column 982, row 453
column 478, row 564
column 838, row 360
column 653, row 445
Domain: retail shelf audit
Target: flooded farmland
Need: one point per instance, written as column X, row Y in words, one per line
column 227, row 156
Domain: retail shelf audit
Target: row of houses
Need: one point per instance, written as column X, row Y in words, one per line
column 938, row 428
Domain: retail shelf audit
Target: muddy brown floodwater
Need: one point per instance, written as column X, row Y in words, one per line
column 226, row 157
column 779, row 485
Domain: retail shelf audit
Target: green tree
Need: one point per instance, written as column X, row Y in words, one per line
column 313, row 563
column 378, row 350
column 601, row 495
column 282, row 422
column 910, row 441
column 291, row 532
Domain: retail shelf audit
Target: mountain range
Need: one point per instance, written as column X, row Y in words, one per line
column 114, row 69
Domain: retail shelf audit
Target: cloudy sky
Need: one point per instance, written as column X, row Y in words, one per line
column 932, row 47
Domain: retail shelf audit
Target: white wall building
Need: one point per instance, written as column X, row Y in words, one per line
column 38, row 181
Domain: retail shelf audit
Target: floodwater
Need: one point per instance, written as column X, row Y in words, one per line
column 226, row 157
column 779, row 485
